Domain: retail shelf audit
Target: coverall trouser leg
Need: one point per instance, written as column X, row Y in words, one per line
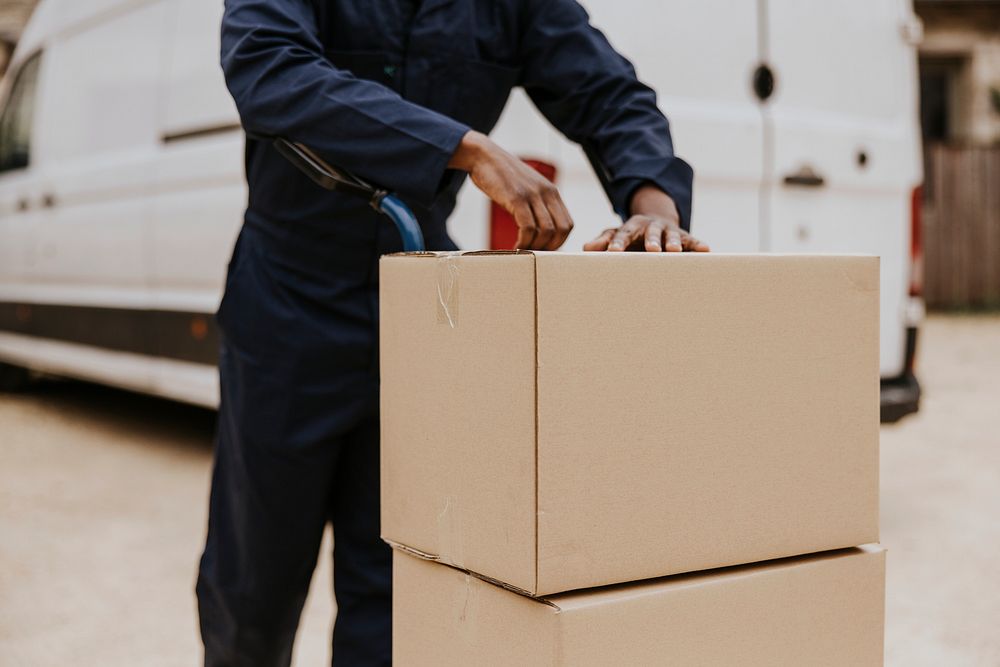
column 267, row 516
column 297, row 446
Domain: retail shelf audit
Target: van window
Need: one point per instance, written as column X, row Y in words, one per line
column 17, row 116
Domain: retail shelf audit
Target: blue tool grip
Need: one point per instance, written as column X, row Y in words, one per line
column 405, row 221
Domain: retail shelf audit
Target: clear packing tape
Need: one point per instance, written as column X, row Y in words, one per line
column 447, row 290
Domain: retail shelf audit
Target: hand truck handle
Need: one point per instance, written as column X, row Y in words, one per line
column 332, row 178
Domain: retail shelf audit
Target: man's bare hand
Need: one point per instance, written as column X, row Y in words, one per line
column 655, row 226
column 542, row 219
column 649, row 233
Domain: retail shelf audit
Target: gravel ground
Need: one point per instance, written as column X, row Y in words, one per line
column 103, row 497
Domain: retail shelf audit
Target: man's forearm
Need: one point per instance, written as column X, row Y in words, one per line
column 473, row 148
column 652, row 201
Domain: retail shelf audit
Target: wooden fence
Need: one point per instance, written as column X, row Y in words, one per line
column 961, row 219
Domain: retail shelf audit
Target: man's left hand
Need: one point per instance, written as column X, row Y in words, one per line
column 655, row 226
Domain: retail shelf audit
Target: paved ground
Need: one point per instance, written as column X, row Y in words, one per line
column 103, row 495
column 941, row 503
column 103, row 499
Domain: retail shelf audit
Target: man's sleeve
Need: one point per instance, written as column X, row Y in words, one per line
column 591, row 94
column 284, row 86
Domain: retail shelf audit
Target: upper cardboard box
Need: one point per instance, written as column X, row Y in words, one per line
column 560, row 421
column 820, row 610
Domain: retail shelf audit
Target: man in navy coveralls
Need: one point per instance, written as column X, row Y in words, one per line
column 402, row 93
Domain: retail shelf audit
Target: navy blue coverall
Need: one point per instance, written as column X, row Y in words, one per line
column 385, row 89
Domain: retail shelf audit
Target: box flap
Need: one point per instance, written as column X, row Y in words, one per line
column 456, row 253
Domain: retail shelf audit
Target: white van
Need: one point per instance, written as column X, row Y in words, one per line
column 121, row 175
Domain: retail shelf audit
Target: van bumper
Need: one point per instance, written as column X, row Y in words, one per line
column 901, row 395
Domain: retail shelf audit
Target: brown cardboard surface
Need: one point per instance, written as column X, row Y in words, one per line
column 458, row 378
column 443, row 616
column 560, row 421
column 824, row 609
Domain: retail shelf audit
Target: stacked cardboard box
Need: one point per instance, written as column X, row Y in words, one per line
column 556, row 426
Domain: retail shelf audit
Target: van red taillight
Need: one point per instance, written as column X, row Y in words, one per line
column 916, row 242
column 503, row 228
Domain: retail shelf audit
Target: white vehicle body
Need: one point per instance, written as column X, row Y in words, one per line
column 115, row 234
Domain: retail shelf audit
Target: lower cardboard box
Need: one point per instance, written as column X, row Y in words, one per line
column 820, row 609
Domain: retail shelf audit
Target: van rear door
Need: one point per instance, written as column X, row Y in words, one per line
column 699, row 56
column 842, row 140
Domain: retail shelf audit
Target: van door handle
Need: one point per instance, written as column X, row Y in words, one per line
column 806, row 177
column 48, row 200
column 22, row 204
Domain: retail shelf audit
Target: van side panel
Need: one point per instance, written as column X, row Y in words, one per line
column 199, row 192
column 92, row 166
column 97, row 146
column 196, row 99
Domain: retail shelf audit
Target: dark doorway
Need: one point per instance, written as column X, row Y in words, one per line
column 940, row 79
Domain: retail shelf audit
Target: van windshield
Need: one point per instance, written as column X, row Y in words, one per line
column 16, row 118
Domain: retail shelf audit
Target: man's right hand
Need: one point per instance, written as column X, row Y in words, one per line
column 543, row 222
